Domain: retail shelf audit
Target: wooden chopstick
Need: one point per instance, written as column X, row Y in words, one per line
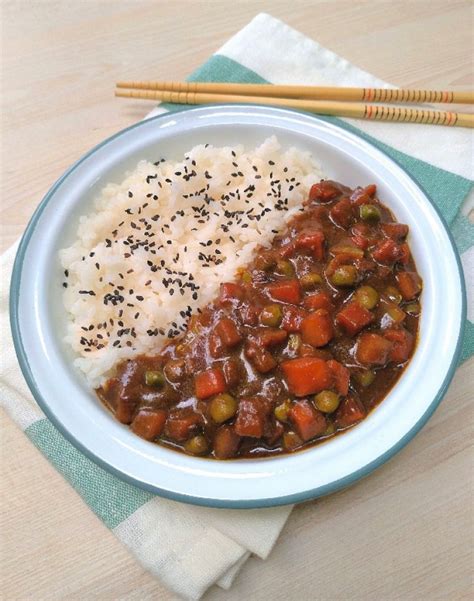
column 341, row 109
column 309, row 92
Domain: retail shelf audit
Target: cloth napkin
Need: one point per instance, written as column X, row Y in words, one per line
column 191, row 548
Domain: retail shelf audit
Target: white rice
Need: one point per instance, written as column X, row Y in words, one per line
column 159, row 244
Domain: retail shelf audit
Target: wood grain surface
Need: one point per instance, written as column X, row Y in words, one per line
column 403, row 533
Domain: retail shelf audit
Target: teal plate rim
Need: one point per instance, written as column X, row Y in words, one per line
column 204, row 501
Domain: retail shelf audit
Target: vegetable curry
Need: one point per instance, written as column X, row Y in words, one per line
column 300, row 346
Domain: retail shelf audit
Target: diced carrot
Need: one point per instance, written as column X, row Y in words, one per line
column 306, row 375
column 209, row 382
column 287, row 250
column 251, row 417
column 292, row 318
column 286, row 291
column 350, row 411
column 342, row 214
column 405, row 254
column 226, row 442
column 307, row 421
column 271, row 336
column 249, row 314
column 341, row 376
column 264, row 361
column 228, row 332
column 306, row 350
column 313, row 241
column 360, row 197
column 324, row 191
column 230, row 293
column 353, row 317
column 317, row 329
column 387, row 251
column 179, row 425
column 320, row 300
column 409, row 283
column 373, row 349
column 261, row 359
column 216, row 348
column 232, row 372
column 360, row 241
column 371, row 189
column 361, row 229
column 149, row 424
column 362, row 235
column 395, row 231
column 402, row 344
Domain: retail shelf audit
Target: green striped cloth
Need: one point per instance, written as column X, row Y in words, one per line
column 191, row 548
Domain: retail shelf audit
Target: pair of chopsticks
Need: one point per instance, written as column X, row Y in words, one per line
column 341, row 102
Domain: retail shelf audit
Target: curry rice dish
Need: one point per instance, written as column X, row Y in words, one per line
column 304, row 338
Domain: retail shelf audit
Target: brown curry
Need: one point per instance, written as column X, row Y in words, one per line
column 301, row 345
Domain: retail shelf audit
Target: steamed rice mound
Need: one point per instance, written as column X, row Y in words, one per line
column 159, row 244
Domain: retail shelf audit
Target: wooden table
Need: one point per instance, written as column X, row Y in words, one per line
column 403, row 533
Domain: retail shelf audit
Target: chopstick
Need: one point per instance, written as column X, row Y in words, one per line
column 309, row 92
column 341, row 109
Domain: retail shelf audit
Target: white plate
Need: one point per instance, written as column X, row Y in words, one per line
column 38, row 319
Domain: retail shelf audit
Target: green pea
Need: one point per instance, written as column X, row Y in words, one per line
column 222, row 407
column 271, row 315
column 197, row 445
column 310, row 281
column 330, row 429
column 365, row 378
column 345, row 275
column 396, row 314
column 370, row 213
column 294, row 342
column 393, row 294
column 154, row 378
column 284, row 268
column 281, row 411
column 326, row 401
column 347, row 249
column 367, row 297
column 413, row 309
column 181, row 349
column 246, row 277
